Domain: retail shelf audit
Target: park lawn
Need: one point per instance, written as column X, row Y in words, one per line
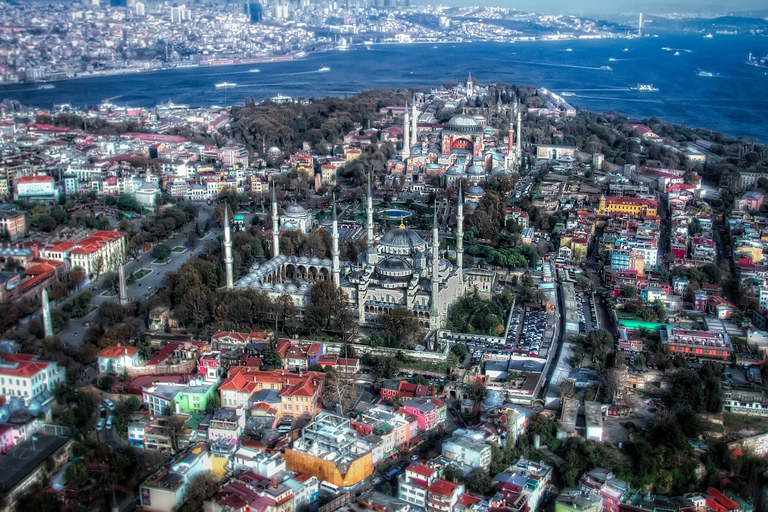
column 109, row 293
column 625, row 315
column 178, row 248
column 141, row 273
column 734, row 422
column 161, row 262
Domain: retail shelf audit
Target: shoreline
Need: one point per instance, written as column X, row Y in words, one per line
column 300, row 55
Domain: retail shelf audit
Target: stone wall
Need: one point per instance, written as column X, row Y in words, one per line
column 756, row 444
column 162, row 369
column 432, row 357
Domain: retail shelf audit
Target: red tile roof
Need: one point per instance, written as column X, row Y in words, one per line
column 21, row 365
column 443, row 487
column 115, row 352
column 420, row 469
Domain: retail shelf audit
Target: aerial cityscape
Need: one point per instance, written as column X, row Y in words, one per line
column 319, row 256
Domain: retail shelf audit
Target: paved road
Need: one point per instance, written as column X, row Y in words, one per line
column 72, row 334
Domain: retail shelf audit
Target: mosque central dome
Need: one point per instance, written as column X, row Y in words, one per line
column 402, row 241
column 463, row 123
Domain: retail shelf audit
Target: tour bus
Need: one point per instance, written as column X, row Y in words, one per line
column 329, row 487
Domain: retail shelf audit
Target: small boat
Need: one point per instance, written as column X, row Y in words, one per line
column 255, row 70
column 569, row 49
column 676, row 54
column 567, row 94
column 47, row 86
column 606, row 68
column 323, row 69
column 225, row 84
column 645, row 88
column 625, row 50
column 708, row 36
column 611, row 60
column 705, row 73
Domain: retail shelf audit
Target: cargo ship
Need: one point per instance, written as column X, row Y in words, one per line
column 757, row 62
column 645, row 88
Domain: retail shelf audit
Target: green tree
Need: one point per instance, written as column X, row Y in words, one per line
column 271, row 358
column 76, row 474
column 161, row 251
column 402, row 324
column 328, row 303
column 479, row 482
column 132, row 404
column 127, row 202
column 460, row 350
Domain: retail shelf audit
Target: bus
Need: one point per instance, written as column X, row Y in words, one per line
column 329, row 487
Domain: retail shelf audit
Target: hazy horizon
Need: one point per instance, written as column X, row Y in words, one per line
column 602, row 7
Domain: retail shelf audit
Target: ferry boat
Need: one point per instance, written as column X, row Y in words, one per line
column 323, row 69
column 225, row 84
column 645, row 88
column 255, row 70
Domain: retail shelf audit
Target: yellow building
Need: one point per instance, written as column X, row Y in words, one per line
column 352, row 154
column 631, row 206
column 579, row 248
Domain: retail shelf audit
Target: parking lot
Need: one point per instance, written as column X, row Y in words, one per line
column 526, row 334
column 587, row 312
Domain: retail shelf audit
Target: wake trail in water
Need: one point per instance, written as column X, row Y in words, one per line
column 549, row 64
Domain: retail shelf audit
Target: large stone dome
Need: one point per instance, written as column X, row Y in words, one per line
column 462, row 123
column 402, row 241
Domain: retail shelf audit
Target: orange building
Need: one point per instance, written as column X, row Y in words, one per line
column 330, row 449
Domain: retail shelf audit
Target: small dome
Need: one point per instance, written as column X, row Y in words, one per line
column 476, row 170
column 315, row 261
column 266, row 286
column 498, row 170
column 326, row 262
column 279, row 287
column 291, row 288
column 475, row 191
column 470, row 206
column 303, row 259
column 295, row 209
column 454, row 170
column 394, row 266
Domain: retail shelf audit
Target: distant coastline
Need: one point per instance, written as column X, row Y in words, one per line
column 566, row 65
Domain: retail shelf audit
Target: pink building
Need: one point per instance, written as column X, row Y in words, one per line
column 6, row 438
column 429, row 412
column 750, row 201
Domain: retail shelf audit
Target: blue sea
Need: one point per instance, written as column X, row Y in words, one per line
column 734, row 100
